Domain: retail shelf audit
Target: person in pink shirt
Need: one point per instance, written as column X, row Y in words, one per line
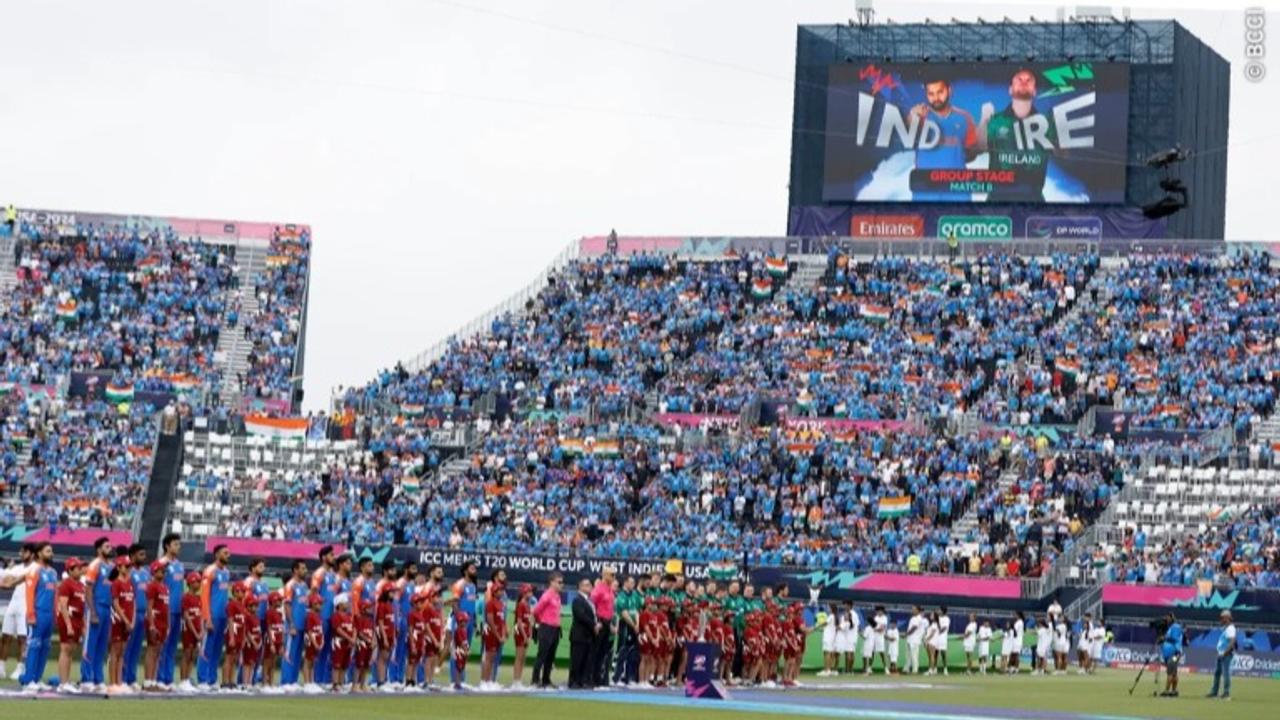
column 602, row 597
column 547, row 616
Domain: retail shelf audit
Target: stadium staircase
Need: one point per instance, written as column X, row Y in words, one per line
column 8, row 272
column 968, row 522
column 150, row 525
column 1269, row 429
column 233, row 347
column 808, row 271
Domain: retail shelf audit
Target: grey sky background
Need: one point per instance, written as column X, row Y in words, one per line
column 444, row 151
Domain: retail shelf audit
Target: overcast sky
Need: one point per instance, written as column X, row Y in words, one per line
column 444, row 151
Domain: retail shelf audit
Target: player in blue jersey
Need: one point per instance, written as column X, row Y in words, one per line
column 957, row 145
column 404, row 605
column 97, row 642
column 295, row 620
column 215, row 591
column 174, row 573
column 322, row 584
column 140, row 577
column 464, row 601
column 42, row 591
column 256, row 586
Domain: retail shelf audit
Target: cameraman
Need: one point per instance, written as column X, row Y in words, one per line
column 1171, row 652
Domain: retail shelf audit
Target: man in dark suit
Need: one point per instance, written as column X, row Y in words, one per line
column 581, row 636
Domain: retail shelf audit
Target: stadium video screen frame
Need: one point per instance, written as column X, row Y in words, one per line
column 1055, row 132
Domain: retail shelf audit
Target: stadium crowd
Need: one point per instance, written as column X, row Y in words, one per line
column 142, row 310
column 1242, row 552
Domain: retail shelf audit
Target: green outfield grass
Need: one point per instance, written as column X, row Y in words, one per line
column 1104, row 694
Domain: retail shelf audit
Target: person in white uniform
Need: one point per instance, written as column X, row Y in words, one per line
column 1082, row 644
column 868, row 646
column 970, row 642
column 915, row 636
column 941, row 638
column 984, row 646
column 881, row 629
column 1044, row 645
column 1098, row 638
column 1061, row 646
column 847, row 637
column 829, row 654
column 1015, row 652
column 892, row 646
column 14, row 626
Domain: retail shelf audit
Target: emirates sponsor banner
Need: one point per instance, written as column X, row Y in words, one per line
column 887, row 227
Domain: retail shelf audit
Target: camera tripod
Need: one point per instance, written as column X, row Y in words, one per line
column 1155, row 677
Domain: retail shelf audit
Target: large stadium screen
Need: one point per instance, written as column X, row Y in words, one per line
column 976, row 132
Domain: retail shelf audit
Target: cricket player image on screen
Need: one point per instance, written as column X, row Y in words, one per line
column 956, row 145
column 1019, row 138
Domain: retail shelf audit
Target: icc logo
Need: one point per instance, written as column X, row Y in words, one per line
column 699, row 663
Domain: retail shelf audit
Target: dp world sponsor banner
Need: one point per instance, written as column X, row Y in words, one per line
column 976, row 132
column 967, row 228
column 1066, row 227
column 1245, row 663
column 886, row 226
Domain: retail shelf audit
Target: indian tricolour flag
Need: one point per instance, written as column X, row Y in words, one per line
column 606, row 448
column 893, row 507
column 875, row 313
column 286, row 428
column 761, row 288
column 67, row 310
column 1067, row 366
column 119, row 393
column 7, row 387
column 1168, row 411
column 777, row 267
column 413, row 409
column 183, row 382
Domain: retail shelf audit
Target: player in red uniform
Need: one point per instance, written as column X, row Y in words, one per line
column 795, row 631
column 648, row 641
column 192, row 627
column 495, row 627
column 233, row 640
column 70, row 610
column 728, row 647
column 157, row 623
column 312, row 639
column 522, row 632
column 385, row 624
column 344, row 639
column 123, row 606
column 433, row 610
column 461, row 643
column 366, row 644
column 752, row 648
column 251, row 650
column 272, row 637
column 416, row 642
